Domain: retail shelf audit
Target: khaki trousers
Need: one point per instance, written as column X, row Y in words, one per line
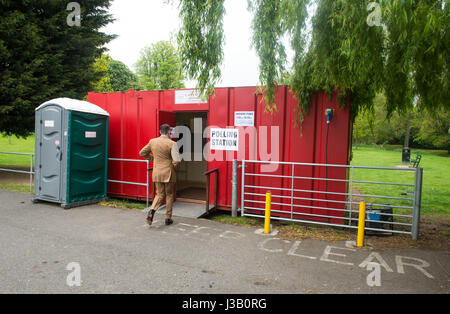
column 164, row 190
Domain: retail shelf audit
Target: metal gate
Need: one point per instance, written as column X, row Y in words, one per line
column 326, row 194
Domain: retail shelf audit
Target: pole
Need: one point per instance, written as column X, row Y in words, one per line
column 361, row 224
column 267, row 218
column 234, row 192
column 417, row 200
column 148, row 183
column 31, row 173
column 243, row 188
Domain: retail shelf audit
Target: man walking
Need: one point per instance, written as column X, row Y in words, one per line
column 166, row 159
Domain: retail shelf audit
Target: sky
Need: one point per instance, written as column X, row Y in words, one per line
column 140, row 23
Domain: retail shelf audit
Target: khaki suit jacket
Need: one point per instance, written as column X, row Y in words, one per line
column 166, row 158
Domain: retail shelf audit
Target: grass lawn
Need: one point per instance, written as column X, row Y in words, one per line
column 435, row 190
column 18, row 145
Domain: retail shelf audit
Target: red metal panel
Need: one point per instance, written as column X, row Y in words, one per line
column 148, row 129
column 300, row 148
column 131, row 127
column 218, row 117
column 244, row 99
column 320, row 101
column 130, row 143
column 112, row 103
column 331, row 147
column 272, row 148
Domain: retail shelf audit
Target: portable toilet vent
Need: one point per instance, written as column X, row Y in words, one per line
column 71, row 151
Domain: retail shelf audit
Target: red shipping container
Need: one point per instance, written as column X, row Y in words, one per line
column 135, row 118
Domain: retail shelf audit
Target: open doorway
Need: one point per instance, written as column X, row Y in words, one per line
column 191, row 181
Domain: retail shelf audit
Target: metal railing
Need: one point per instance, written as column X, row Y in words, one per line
column 147, row 184
column 334, row 201
column 31, row 172
column 208, row 181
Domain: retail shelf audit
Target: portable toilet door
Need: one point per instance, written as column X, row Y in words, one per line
column 71, row 152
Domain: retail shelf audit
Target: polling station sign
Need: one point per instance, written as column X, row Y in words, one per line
column 224, row 139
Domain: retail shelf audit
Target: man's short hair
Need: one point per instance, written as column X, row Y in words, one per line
column 164, row 129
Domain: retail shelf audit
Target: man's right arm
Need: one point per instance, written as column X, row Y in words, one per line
column 145, row 152
column 176, row 158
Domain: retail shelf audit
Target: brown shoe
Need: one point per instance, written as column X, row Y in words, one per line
column 150, row 217
column 169, row 222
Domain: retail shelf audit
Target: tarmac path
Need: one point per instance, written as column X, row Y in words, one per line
column 97, row 249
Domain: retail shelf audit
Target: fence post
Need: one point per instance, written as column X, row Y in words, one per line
column 234, row 192
column 292, row 191
column 417, row 203
column 351, row 197
column 361, row 224
column 148, row 182
column 31, row 172
column 267, row 216
column 243, row 188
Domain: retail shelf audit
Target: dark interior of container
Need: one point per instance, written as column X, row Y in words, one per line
column 191, row 181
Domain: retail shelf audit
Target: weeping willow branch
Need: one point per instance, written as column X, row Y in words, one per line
column 408, row 57
column 201, row 41
column 267, row 33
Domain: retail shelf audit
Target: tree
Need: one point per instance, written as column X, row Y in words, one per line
column 121, row 77
column 115, row 76
column 434, row 130
column 42, row 57
column 101, row 65
column 427, row 130
column 201, row 41
column 373, row 126
column 406, row 56
column 159, row 67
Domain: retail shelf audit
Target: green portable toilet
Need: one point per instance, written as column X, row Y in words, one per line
column 71, row 152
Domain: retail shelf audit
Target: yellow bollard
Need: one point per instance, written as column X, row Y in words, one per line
column 267, row 219
column 361, row 224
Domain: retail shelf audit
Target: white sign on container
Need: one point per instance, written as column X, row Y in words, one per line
column 224, row 139
column 188, row 97
column 244, row 118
